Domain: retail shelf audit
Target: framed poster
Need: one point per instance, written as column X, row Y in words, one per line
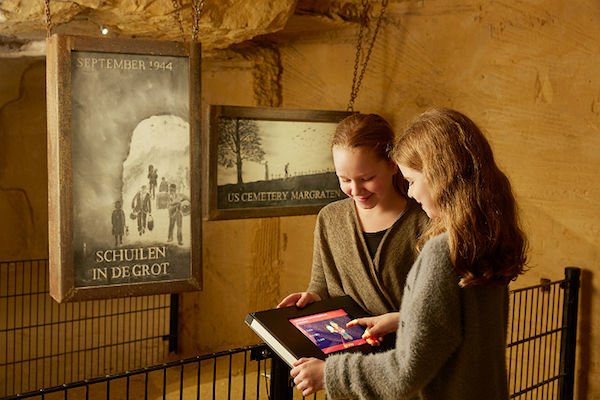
column 123, row 167
column 266, row 162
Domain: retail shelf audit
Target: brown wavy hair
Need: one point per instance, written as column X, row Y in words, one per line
column 374, row 132
column 475, row 199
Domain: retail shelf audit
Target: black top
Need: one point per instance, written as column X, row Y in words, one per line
column 373, row 239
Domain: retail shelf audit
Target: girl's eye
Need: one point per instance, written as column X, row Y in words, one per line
column 366, row 179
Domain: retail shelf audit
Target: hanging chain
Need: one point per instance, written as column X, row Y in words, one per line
column 197, row 10
column 48, row 20
column 177, row 16
column 364, row 22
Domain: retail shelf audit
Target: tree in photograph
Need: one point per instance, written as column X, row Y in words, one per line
column 238, row 141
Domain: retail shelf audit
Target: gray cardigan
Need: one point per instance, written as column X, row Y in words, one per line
column 450, row 341
column 342, row 264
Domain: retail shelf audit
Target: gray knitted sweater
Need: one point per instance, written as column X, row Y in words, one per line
column 450, row 341
column 342, row 264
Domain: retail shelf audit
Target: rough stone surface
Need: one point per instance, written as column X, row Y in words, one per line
column 525, row 70
column 222, row 23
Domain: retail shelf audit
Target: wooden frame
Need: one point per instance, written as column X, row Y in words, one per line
column 116, row 107
column 283, row 167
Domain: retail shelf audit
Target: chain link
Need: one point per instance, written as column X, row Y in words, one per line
column 364, row 22
column 198, row 8
column 177, row 17
column 48, row 20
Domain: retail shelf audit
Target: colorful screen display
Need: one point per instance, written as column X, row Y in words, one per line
column 329, row 332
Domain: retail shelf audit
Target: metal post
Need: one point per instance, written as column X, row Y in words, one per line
column 173, row 322
column 569, row 334
column 281, row 387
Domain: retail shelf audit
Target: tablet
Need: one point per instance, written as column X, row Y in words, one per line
column 317, row 330
column 328, row 330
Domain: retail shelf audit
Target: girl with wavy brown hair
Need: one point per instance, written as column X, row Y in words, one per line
column 451, row 337
column 474, row 199
column 364, row 245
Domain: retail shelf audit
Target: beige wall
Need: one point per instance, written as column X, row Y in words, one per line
column 525, row 71
column 23, row 192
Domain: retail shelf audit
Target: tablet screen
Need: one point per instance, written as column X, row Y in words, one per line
column 329, row 332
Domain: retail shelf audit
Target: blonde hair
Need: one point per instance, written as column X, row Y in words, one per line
column 475, row 200
column 370, row 131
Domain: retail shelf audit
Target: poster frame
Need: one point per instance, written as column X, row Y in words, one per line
column 61, row 218
column 212, row 210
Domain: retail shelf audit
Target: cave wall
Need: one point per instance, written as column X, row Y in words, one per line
column 525, row 71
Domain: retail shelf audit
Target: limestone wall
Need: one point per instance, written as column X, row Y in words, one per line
column 525, row 71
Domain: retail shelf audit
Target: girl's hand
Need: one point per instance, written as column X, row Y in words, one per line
column 299, row 300
column 377, row 327
column 309, row 375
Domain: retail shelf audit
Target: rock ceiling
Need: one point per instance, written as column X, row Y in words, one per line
column 223, row 23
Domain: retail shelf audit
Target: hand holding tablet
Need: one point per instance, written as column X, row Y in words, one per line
column 320, row 329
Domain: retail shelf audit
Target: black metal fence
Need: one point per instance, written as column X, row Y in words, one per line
column 45, row 344
column 542, row 337
column 239, row 373
column 540, row 356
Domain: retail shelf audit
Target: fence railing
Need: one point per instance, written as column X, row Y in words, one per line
column 540, row 358
column 44, row 344
column 239, row 373
column 542, row 336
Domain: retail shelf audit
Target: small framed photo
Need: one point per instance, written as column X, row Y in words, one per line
column 123, row 167
column 266, row 162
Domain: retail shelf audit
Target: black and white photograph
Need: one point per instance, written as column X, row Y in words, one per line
column 268, row 162
column 131, row 164
column 131, row 171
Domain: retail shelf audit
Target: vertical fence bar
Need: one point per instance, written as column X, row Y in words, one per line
column 30, row 323
column 164, row 384
column 244, row 375
column 46, row 285
column 229, row 378
column 198, row 379
column 37, row 328
column 14, row 328
column 536, row 354
column 21, row 327
column 527, row 329
column 181, row 383
column 98, row 333
column 258, row 379
column 214, row 380
column 5, row 311
column 148, row 340
column 519, row 351
column 557, row 338
column 173, row 321
column 569, row 335
column 280, row 382
column 546, row 343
